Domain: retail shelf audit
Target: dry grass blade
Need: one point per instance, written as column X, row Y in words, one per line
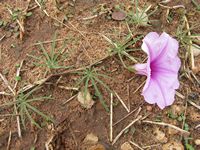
column 2, row 37
column 127, row 127
column 124, row 117
column 7, row 83
column 150, row 146
column 168, row 125
column 136, row 145
column 190, row 44
column 47, row 144
column 68, row 88
column 122, row 102
column 139, row 87
column 41, row 8
column 1, row 120
column 9, row 140
column 4, row 93
column 193, row 104
column 71, row 98
column 197, row 126
column 18, row 73
column 111, row 117
column 15, row 107
column 180, row 95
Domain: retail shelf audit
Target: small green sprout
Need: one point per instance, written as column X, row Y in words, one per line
column 139, row 17
column 91, row 76
column 52, row 59
column 26, row 108
column 122, row 50
column 196, row 4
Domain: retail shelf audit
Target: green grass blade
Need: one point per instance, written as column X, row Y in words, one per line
column 99, row 95
column 39, row 99
column 44, row 52
column 53, row 47
column 31, row 119
column 39, row 112
column 103, row 84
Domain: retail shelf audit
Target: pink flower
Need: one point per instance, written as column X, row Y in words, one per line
column 161, row 69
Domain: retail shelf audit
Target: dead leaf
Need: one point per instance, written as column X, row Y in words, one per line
column 173, row 145
column 91, row 139
column 85, row 99
column 118, row 15
column 126, row 146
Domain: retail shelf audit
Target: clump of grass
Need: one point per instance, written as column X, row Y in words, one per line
column 196, row 4
column 139, row 17
column 90, row 76
column 53, row 59
column 121, row 49
column 26, row 108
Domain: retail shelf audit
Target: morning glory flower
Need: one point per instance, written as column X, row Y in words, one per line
column 161, row 69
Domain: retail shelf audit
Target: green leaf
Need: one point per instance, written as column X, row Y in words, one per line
column 18, row 78
column 189, row 147
column 186, row 127
column 29, row 14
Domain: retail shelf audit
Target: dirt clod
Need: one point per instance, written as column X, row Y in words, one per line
column 85, row 99
column 126, row 146
column 160, row 136
column 173, row 146
column 90, row 139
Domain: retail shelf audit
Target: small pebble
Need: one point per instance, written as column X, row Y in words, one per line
column 149, row 108
column 197, row 141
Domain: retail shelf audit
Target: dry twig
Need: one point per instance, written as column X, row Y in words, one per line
column 15, row 107
column 127, row 127
column 197, row 126
column 190, row 44
column 168, row 125
column 124, row 117
column 136, row 145
column 111, row 117
column 18, row 74
column 68, row 88
column 193, row 104
column 122, row 102
column 71, row 98
column 9, row 140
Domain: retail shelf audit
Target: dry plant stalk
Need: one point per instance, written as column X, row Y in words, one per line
column 190, row 44
column 122, row 102
column 168, row 125
column 111, row 117
column 123, row 130
column 136, row 145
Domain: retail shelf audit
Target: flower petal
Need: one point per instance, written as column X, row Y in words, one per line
column 168, row 65
column 159, row 94
column 168, row 79
column 141, row 69
column 153, row 44
column 148, row 39
column 168, row 58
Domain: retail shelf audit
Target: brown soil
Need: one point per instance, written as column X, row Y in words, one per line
column 85, row 45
